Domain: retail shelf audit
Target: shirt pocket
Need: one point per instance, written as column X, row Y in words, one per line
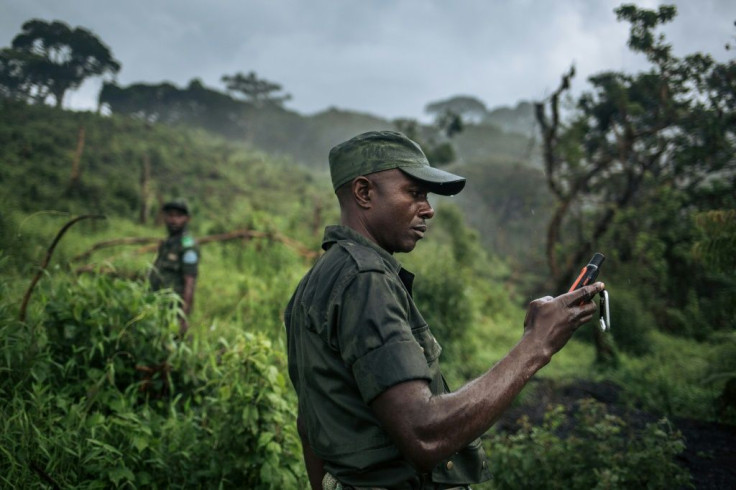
column 467, row 466
column 169, row 261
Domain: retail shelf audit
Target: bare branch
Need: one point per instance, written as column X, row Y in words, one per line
column 47, row 259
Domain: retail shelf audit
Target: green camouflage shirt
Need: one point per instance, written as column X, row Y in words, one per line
column 353, row 331
column 178, row 256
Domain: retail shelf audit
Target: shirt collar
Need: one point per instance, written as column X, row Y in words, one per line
column 336, row 233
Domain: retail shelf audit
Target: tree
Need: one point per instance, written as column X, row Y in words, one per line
column 13, row 83
column 639, row 156
column 195, row 105
column 674, row 125
column 718, row 243
column 434, row 140
column 470, row 109
column 50, row 58
column 144, row 101
column 256, row 90
column 449, row 123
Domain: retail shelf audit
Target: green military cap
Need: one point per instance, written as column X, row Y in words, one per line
column 178, row 204
column 376, row 151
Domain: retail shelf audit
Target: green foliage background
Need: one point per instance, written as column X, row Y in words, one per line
column 98, row 393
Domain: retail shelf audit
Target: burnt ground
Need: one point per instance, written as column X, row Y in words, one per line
column 710, row 453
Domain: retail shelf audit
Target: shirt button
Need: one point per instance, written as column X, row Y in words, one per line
column 450, row 465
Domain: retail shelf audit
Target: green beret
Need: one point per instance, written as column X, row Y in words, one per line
column 376, row 151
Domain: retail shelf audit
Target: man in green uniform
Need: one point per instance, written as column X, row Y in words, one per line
column 374, row 409
column 177, row 262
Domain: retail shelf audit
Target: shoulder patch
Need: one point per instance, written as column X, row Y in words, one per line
column 365, row 258
column 190, row 257
column 187, row 241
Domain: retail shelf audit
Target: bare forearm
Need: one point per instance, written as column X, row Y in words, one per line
column 464, row 415
column 427, row 428
column 444, row 424
column 187, row 296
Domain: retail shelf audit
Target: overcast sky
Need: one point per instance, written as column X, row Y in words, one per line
column 385, row 57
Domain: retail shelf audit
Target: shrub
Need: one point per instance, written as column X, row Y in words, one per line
column 596, row 450
column 672, row 380
column 441, row 293
column 102, row 395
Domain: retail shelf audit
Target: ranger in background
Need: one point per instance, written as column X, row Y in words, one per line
column 177, row 262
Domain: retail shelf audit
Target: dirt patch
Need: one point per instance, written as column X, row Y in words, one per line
column 710, row 453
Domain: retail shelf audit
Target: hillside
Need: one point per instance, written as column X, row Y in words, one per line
column 83, row 162
column 60, row 164
column 505, row 199
column 506, row 135
column 56, row 146
column 306, row 139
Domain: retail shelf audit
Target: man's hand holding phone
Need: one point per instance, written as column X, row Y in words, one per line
column 550, row 322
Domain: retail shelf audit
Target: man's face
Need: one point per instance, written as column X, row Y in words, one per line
column 397, row 218
column 175, row 220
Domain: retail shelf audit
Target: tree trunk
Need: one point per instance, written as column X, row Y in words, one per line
column 553, row 233
column 59, row 97
column 145, row 179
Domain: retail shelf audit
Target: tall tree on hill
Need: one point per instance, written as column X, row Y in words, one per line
column 674, row 125
column 633, row 141
column 258, row 91
column 50, row 58
column 13, row 83
column 196, row 105
column 434, row 140
column 149, row 102
column 470, row 109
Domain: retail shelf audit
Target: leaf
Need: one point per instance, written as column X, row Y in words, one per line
column 140, row 443
column 264, row 439
column 117, row 474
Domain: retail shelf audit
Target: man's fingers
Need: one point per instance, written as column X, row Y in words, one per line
column 583, row 294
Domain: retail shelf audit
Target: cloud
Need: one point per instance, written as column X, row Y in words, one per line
column 386, row 58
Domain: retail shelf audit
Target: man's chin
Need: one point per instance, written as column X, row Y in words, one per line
column 408, row 247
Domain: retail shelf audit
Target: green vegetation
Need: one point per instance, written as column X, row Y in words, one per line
column 599, row 451
column 639, row 159
column 47, row 59
column 97, row 391
column 82, row 336
column 99, row 394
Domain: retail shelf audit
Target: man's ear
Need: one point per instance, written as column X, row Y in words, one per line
column 362, row 191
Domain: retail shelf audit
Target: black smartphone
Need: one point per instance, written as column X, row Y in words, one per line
column 588, row 275
column 589, row 272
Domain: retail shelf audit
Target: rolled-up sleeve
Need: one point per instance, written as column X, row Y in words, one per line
column 190, row 261
column 375, row 337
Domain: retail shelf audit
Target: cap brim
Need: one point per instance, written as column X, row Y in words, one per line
column 438, row 181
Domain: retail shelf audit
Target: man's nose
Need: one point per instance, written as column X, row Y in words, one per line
column 427, row 211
